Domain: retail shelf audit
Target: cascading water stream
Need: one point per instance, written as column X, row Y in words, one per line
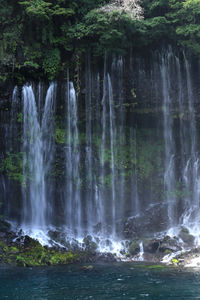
column 37, row 158
column 94, row 151
column 169, row 175
column 135, row 203
column 73, row 206
column 192, row 166
column 33, row 164
column 112, row 153
column 90, row 210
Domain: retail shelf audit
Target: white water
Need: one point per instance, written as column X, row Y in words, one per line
column 73, row 207
column 169, row 175
column 37, row 157
column 96, row 193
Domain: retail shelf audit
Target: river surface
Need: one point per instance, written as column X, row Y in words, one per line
column 104, row 281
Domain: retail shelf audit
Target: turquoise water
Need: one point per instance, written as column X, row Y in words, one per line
column 104, row 281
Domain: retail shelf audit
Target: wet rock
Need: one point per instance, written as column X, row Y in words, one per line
column 168, row 244
column 134, row 248
column 29, row 242
column 89, row 245
column 6, row 234
column 153, row 220
column 87, row 268
column 59, row 237
column 151, row 246
column 106, row 257
column 186, row 237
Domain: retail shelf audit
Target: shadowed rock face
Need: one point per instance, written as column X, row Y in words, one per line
column 144, row 225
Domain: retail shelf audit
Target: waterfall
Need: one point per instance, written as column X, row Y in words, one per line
column 135, row 203
column 90, row 210
column 117, row 82
column 192, row 166
column 112, row 154
column 141, row 253
column 33, row 164
column 73, row 205
column 169, row 175
column 103, row 213
column 129, row 152
column 37, row 157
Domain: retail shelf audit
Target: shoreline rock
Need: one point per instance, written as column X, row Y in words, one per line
column 18, row 249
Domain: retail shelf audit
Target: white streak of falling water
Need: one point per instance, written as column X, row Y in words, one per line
column 38, row 149
column 141, row 254
column 33, row 164
column 169, row 176
column 48, row 146
column 191, row 171
column 117, row 74
column 135, row 205
column 183, row 133
column 69, row 181
column 89, row 153
column 102, row 206
column 97, row 201
column 73, row 199
column 112, row 148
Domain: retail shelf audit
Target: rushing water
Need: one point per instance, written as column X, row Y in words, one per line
column 116, row 281
column 73, row 201
column 37, row 157
column 116, row 150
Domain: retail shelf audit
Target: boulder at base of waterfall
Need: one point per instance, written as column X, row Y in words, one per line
column 154, row 219
column 186, row 237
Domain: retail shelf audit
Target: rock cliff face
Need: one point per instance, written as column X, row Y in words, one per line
column 113, row 156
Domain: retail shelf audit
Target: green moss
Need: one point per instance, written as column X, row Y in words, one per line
column 175, row 261
column 167, row 251
column 34, row 255
column 61, row 258
column 20, row 117
column 3, row 247
column 12, row 166
column 88, row 268
column 156, row 267
column 60, row 136
column 13, row 249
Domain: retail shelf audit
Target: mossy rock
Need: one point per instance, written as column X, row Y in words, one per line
column 134, row 248
column 13, row 249
column 88, row 268
column 186, row 237
column 62, row 258
column 167, row 251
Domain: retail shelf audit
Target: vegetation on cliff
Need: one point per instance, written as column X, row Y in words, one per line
column 44, row 36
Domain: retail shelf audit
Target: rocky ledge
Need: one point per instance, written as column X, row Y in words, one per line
column 21, row 250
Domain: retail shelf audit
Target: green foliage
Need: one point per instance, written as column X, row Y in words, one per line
column 12, row 166
column 60, row 135
column 20, row 117
column 34, row 255
column 40, row 35
column 51, row 63
column 185, row 15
